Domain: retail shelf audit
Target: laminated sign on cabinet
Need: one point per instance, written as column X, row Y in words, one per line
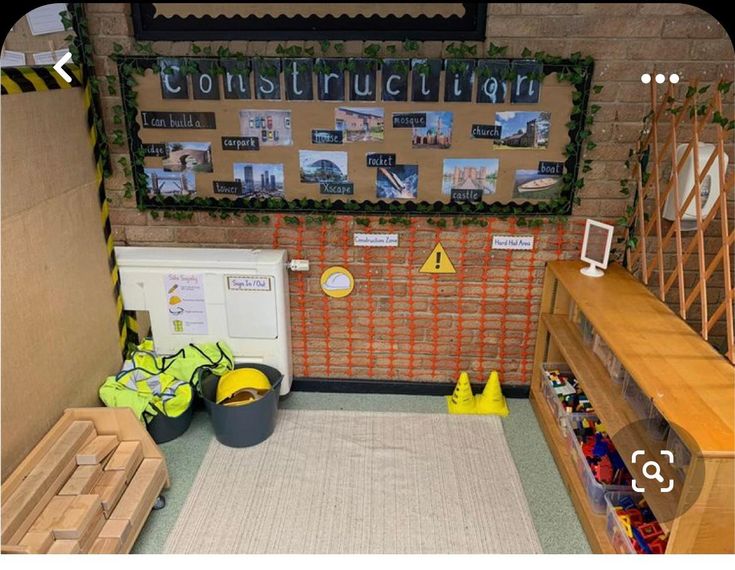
column 250, row 302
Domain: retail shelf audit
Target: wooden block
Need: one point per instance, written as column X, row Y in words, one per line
column 53, row 513
column 116, row 529
column 127, row 458
column 106, row 546
column 14, row 549
column 50, row 493
column 43, row 482
column 156, row 482
column 95, row 452
column 142, row 491
column 110, row 487
column 92, row 533
column 82, row 481
column 77, row 518
column 64, row 547
column 38, row 541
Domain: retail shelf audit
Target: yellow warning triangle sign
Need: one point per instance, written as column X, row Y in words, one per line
column 438, row 262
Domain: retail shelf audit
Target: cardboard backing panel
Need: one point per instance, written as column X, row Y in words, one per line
column 45, row 164
column 59, row 326
column 556, row 98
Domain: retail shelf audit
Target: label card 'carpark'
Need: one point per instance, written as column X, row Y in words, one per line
column 240, row 143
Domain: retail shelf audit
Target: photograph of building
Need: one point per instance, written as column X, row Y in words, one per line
column 436, row 134
column 322, row 166
column 259, row 180
column 160, row 182
column 470, row 174
column 194, row 156
column 270, row 127
column 360, row 124
column 523, row 129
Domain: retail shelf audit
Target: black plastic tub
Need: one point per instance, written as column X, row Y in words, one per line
column 163, row 428
column 243, row 426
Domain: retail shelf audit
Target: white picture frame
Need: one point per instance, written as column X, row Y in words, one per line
column 596, row 265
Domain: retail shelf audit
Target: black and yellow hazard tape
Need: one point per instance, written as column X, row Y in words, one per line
column 44, row 78
column 32, row 78
column 127, row 324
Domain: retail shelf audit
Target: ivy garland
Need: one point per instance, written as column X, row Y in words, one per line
column 80, row 47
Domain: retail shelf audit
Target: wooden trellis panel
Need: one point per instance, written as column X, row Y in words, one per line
column 655, row 237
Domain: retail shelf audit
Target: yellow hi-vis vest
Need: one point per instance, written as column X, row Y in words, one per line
column 150, row 384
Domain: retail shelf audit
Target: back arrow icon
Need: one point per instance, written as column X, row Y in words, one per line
column 58, row 68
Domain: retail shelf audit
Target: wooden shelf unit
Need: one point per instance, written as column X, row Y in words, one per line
column 689, row 383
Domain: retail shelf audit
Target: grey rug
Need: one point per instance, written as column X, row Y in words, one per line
column 357, row 482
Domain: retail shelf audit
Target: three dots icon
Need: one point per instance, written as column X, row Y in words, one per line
column 660, row 78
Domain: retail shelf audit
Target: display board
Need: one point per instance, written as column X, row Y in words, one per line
column 431, row 136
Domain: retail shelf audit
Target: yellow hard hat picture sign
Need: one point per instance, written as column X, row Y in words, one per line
column 337, row 282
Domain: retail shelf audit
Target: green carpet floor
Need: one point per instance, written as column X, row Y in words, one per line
column 556, row 522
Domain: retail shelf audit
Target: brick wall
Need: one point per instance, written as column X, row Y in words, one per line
column 400, row 324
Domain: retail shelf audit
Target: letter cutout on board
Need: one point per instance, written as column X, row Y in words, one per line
column 394, row 76
column 173, row 81
column 236, row 79
column 330, row 79
column 362, row 80
column 425, row 75
column 458, row 79
column 267, row 76
column 298, row 79
column 491, row 83
column 205, row 84
column 524, row 88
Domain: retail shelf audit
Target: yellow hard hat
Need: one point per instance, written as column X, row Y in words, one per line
column 242, row 386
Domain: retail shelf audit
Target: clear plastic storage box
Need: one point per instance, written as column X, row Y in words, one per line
column 682, row 455
column 656, row 425
column 595, row 490
column 585, row 328
column 638, row 400
column 615, row 530
column 616, row 370
column 566, row 420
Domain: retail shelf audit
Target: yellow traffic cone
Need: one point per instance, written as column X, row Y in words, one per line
column 462, row 401
column 492, row 401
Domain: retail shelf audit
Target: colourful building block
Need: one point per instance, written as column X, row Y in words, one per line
column 635, row 516
column 627, row 503
column 658, row 546
column 650, row 531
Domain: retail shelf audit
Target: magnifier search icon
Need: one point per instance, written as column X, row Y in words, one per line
column 651, row 470
column 656, row 471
